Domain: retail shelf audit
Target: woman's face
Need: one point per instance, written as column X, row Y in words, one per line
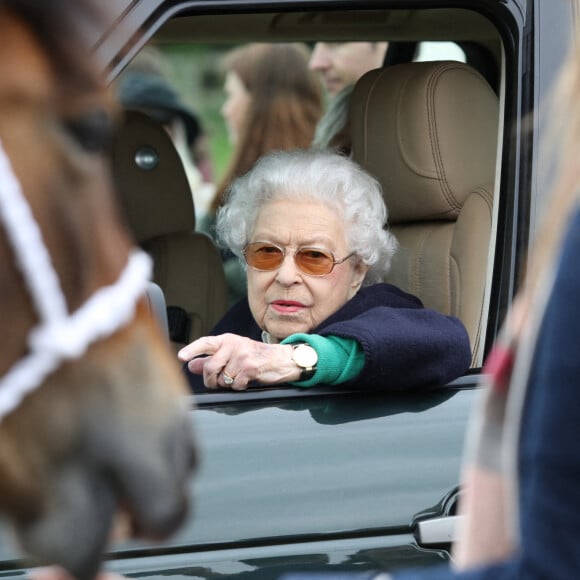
column 236, row 106
column 285, row 301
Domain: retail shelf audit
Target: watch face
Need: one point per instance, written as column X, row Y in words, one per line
column 305, row 356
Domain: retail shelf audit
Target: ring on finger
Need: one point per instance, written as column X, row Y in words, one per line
column 228, row 379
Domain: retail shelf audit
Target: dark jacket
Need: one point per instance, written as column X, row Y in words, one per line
column 405, row 344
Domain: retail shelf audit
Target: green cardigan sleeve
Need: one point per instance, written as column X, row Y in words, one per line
column 339, row 359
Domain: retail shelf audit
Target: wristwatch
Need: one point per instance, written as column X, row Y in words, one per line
column 306, row 358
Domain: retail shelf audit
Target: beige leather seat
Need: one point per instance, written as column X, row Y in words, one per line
column 428, row 132
column 157, row 199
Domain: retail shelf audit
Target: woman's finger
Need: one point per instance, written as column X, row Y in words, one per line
column 205, row 345
column 196, row 365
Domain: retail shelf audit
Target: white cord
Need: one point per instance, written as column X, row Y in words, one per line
column 29, row 250
column 59, row 336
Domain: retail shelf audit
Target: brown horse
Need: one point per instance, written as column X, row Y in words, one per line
column 107, row 428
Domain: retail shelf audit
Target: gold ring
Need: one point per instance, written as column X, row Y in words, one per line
column 228, row 380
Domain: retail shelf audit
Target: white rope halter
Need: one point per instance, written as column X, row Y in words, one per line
column 58, row 336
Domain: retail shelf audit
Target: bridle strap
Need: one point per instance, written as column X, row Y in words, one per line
column 30, row 252
column 58, row 335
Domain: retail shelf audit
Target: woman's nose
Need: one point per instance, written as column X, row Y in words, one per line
column 288, row 272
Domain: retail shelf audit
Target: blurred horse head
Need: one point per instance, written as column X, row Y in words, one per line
column 93, row 417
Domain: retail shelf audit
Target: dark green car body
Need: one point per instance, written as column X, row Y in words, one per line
column 335, row 481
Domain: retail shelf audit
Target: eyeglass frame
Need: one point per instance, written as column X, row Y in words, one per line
column 283, row 250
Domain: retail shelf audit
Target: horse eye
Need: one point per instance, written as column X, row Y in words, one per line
column 92, row 131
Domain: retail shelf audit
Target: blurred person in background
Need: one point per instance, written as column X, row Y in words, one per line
column 340, row 65
column 273, row 102
column 145, row 87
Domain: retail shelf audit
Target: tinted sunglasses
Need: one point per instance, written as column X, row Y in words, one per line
column 265, row 257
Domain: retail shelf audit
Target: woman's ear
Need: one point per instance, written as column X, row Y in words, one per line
column 359, row 273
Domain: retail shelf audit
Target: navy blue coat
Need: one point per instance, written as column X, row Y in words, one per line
column 405, row 345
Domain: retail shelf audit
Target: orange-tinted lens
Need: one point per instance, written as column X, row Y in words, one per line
column 314, row 262
column 263, row 256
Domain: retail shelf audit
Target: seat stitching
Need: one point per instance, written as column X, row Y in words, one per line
column 435, row 147
column 416, row 265
column 404, row 156
column 366, row 110
column 486, row 196
column 443, row 67
column 438, row 158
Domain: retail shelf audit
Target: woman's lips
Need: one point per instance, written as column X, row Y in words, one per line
column 287, row 306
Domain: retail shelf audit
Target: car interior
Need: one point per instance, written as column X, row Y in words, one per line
column 427, row 125
column 414, row 128
column 158, row 204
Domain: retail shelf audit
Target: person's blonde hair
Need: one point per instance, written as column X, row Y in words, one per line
column 563, row 144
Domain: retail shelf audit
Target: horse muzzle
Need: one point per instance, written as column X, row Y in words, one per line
column 144, row 477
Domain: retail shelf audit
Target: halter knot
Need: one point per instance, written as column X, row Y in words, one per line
column 55, row 339
column 108, row 309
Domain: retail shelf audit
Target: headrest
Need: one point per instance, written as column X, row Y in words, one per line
column 428, row 132
column 151, row 93
column 150, row 179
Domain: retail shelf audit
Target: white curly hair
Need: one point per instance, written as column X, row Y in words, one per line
column 319, row 176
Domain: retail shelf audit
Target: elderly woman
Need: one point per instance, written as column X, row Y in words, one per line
column 310, row 226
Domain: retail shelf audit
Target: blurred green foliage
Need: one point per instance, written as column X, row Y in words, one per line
column 195, row 71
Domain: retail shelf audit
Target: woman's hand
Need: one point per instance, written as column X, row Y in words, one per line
column 232, row 361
